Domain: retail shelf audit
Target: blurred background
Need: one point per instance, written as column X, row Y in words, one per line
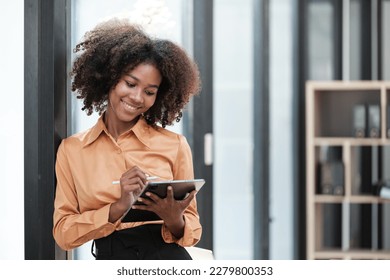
column 246, row 129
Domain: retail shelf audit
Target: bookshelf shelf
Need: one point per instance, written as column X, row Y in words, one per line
column 353, row 254
column 321, row 198
column 347, row 156
column 334, row 141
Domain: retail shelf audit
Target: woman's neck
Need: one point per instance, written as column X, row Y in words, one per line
column 116, row 127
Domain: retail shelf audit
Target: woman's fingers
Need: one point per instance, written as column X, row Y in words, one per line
column 134, row 181
column 153, row 202
column 186, row 202
column 132, row 173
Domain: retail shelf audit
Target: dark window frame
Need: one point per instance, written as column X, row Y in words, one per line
column 45, row 76
column 261, row 132
column 202, row 112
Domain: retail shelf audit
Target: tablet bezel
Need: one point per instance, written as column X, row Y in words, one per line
column 181, row 188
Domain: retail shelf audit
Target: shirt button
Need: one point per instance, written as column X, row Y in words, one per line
column 119, row 151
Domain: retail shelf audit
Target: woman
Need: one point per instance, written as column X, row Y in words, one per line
column 134, row 82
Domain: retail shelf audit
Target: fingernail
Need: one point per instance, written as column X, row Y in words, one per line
column 148, row 193
column 139, row 199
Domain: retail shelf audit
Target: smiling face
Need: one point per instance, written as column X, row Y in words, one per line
column 134, row 94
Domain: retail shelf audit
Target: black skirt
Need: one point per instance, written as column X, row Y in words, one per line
column 138, row 243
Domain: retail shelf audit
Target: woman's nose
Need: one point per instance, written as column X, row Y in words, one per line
column 136, row 95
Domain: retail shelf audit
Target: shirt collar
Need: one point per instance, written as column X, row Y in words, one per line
column 141, row 130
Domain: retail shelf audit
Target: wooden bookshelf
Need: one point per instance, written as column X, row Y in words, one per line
column 353, row 224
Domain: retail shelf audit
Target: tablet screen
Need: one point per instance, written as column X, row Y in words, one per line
column 181, row 188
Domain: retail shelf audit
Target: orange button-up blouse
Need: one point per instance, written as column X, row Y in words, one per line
column 87, row 164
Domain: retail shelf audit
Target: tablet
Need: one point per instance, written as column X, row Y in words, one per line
column 181, row 188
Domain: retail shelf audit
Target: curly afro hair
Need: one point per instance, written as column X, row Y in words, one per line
column 115, row 47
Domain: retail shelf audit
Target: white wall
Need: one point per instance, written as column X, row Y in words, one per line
column 11, row 130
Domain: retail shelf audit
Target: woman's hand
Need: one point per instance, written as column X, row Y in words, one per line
column 168, row 209
column 132, row 183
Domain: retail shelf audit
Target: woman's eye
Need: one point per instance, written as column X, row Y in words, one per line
column 130, row 84
column 150, row 93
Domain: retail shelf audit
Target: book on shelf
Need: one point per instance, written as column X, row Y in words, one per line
column 359, row 121
column 367, row 121
column 374, row 120
column 388, row 121
column 331, row 175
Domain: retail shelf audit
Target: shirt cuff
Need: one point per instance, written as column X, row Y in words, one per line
column 185, row 241
column 102, row 221
column 107, row 215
